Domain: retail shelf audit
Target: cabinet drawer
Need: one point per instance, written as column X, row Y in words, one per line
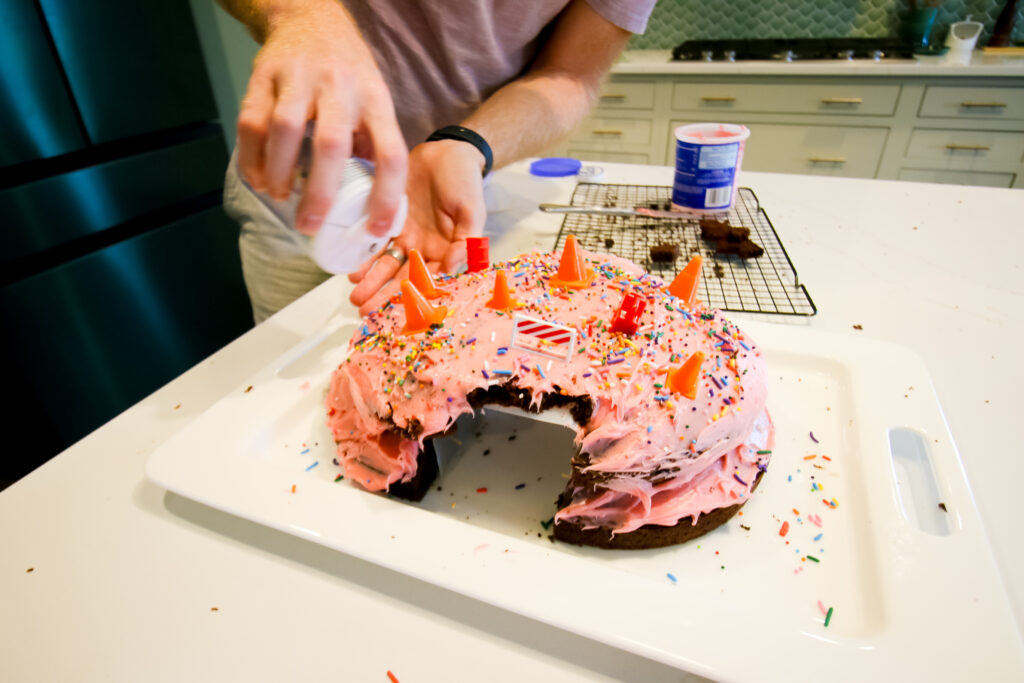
column 923, row 175
column 966, row 148
column 623, row 95
column 604, row 155
column 609, row 133
column 973, row 103
column 842, row 98
column 813, row 150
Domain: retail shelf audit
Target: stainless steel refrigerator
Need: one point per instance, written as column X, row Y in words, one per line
column 118, row 268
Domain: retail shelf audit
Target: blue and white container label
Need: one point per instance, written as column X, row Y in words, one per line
column 706, row 165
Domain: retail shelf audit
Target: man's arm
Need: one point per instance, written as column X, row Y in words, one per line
column 522, row 118
column 542, row 107
column 314, row 65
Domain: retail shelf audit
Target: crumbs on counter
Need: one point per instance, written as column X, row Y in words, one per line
column 247, row 389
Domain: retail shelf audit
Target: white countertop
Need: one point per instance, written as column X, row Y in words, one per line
column 652, row 62
column 125, row 576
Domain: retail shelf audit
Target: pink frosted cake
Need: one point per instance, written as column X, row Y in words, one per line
column 668, row 395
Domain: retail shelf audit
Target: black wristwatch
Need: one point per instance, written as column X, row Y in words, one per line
column 466, row 135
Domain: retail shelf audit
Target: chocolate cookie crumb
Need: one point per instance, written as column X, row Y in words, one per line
column 714, row 230
column 942, row 506
column 729, row 239
column 745, row 249
column 664, row 253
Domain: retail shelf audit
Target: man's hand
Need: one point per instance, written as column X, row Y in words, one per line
column 446, row 205
column 314, row 66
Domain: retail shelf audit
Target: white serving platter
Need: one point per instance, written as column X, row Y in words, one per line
column 912, row 586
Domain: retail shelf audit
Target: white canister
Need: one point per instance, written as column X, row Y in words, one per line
column 708, row 158
column 963, row 36
column 342, row 244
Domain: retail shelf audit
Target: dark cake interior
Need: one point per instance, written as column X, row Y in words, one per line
column 581, row 408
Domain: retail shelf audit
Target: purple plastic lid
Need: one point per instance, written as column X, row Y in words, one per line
column 555, row 167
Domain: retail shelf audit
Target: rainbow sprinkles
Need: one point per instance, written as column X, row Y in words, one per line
column 668, row 395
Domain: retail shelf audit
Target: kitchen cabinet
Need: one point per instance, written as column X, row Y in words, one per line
column 973, row 103
column 943, row 126
column 849, row 151
column 842, row 98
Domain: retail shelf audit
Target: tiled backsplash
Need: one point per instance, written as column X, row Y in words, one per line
column 674, row 21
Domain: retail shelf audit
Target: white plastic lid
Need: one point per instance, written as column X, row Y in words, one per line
column 343, row 244
column 712, row 133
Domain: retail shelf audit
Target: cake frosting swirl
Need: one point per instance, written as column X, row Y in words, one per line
column 648, row 455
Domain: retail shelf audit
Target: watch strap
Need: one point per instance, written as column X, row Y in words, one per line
column 466, row 135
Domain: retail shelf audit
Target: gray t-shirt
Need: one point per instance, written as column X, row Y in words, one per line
column 443, row 58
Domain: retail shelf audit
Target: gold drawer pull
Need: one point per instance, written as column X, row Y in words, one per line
column 971, row 148
column 988, row 105
column 717, row 98
column 606, row 131
column 613, row 96
column 842, row 100
column 826, row 160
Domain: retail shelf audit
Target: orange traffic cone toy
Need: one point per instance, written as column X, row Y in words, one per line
column 684, row 379
column 686, row 283
column 419, row 314
column 502, row 299
column 421, row 277
column 573, row 271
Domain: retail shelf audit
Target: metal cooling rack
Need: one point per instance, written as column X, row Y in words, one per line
column 766, row 284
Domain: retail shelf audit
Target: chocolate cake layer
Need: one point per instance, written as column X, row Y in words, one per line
column 581, row 408
column 649, row 535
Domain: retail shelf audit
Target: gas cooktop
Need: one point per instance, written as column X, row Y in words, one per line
column 792, row 49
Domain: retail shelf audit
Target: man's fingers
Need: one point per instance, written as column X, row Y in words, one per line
column 332, row 146
column 253, row 127
column 454, row 257
column 392, row 288
column 287, row 126
column 356, row 276
column 384, row 269
column 377, row 300
column 469, row 220
column 392, row 161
